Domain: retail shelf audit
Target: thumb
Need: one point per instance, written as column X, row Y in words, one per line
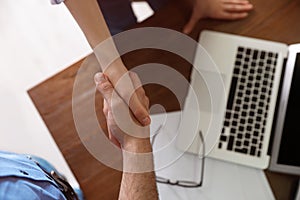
column 191, row 24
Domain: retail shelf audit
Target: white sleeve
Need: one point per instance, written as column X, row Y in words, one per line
column 56, row 1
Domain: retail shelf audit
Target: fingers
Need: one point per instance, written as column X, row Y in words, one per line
column 230, row 7
column 236, row 1
column 191, row 23
column 135, row 100
column 104, row 86
column 139, row 89
column 234, row 16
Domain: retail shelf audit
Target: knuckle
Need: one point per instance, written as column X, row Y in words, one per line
column 105, row 86
column 105, row 110
column 139, row 113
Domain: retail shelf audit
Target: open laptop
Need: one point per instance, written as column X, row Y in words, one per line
column 251, row 71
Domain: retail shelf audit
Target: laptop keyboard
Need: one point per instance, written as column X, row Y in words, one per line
column 248, row 103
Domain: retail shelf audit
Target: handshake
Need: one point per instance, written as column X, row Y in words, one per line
column 127, row 132
column 124, row 129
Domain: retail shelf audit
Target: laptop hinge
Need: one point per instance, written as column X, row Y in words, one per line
column 276, row 108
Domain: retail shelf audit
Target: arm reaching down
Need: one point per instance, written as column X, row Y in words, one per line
column 91, row 21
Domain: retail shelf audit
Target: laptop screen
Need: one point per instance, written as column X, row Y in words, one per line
column 290, row 144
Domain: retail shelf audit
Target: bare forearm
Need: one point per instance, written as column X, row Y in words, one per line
column 140, row 185
column 90, row 19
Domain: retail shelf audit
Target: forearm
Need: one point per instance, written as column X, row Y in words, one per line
column 142, row 184
column 91, row 21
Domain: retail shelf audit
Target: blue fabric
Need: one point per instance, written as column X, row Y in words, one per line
column 21, row 178
column 119, row 15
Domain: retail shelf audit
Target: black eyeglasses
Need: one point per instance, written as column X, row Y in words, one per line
column 184, row 183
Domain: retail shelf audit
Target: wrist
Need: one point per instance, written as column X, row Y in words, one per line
column 137, row 156
column 137, row 145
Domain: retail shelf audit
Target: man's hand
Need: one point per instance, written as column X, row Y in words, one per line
column 217, row 9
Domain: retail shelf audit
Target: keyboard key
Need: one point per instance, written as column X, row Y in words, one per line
column 249, row 128
column 258, row 118
column 242, row 121
column 241, row 128
column 258, row 154
column 270, row 54
column 244, row 114
column 236, row 71
column 234, row 123
column 238, row 143
column 235, row 116
column 243, row 150
column 220, row 145
column 247, row 135
column 258, row 77
column 240, row 56
column 241, row 49
column 255, row 53
column 262, row 55
column 248, row 51
column 254, row 141
column 223, row 138
column 232, row 93
column 230, row 143
column 226, row 123
column 228, row 115
column 261, row 104
column 238, row 63
column 252, row 150
column 240, row 136
column 269, row 61
column 246, row 143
